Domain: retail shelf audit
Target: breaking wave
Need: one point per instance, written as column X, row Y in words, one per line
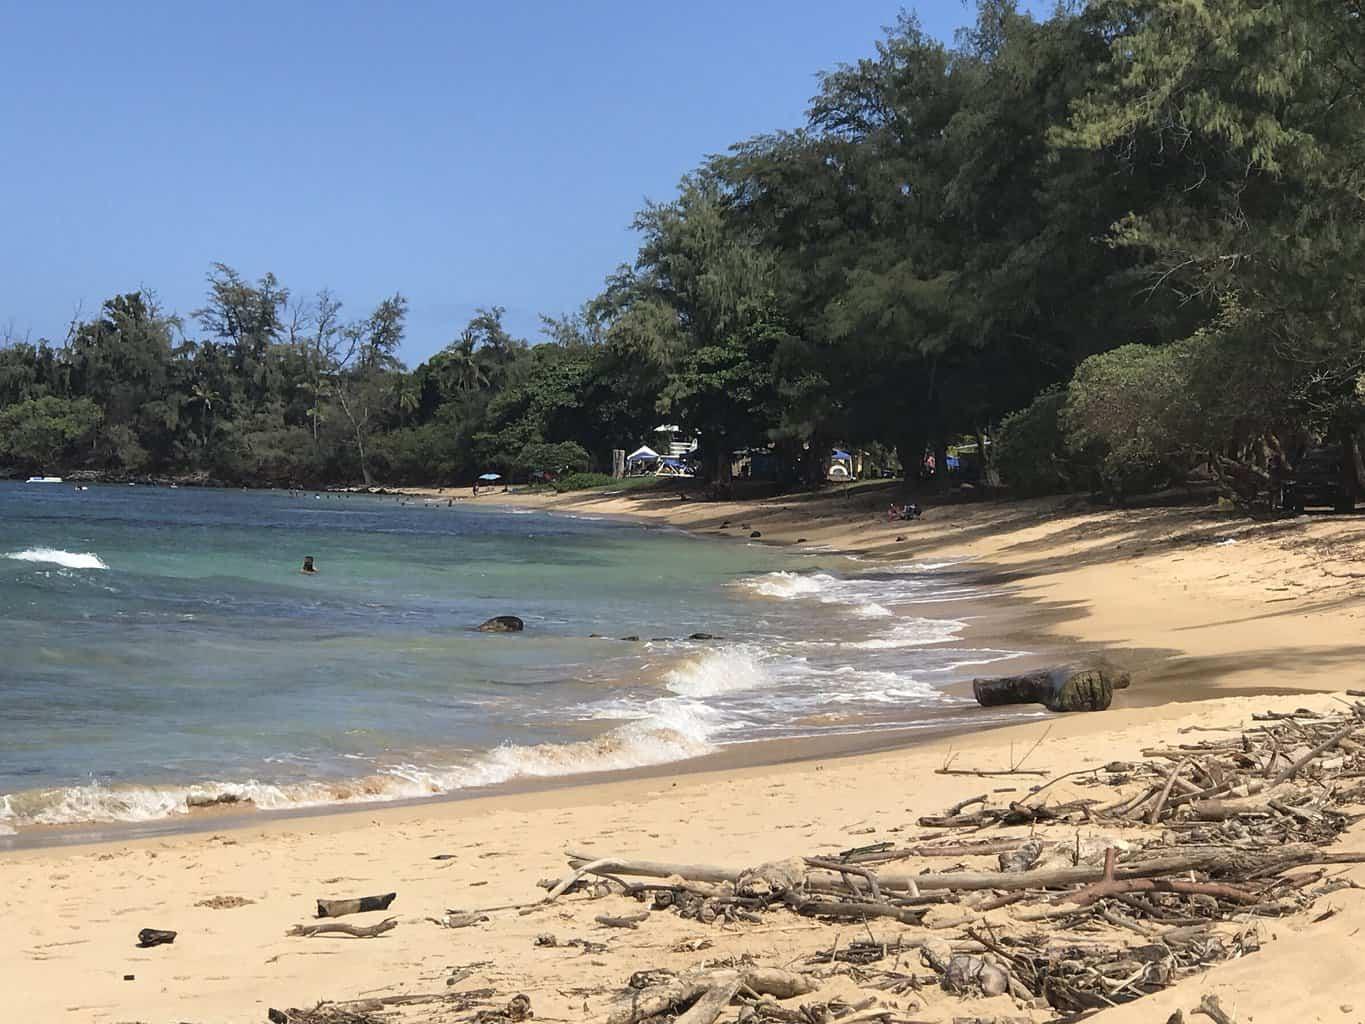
column 725, row 670
column 55, row 556
column 662, row 731
column 869, row 596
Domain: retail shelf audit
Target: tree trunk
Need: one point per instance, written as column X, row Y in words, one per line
column 910, row 450
column 1352, row 470
column 364, row 463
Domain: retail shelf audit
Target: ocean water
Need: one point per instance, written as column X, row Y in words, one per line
column 161, row 644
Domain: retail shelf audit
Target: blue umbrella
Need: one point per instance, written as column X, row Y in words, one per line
column 491, row 476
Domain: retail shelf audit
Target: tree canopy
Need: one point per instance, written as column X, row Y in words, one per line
column 1124, row 241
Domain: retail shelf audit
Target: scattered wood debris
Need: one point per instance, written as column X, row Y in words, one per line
column 1183, row 854
column 1116, row 882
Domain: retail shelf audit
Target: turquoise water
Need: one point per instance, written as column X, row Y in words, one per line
column 162, row 643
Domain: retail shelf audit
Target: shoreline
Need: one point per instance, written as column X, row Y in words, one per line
column 1004, row 614
column 994, row 620
column 1268, row 622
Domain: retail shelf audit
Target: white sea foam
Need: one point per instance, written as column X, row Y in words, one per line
column 661, row 731
column 723, row 670
column 55, row 556
column 872, row 595
column 911, row 632
column 785, row 585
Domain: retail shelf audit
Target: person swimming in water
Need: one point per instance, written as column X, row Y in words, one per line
column 308, row 567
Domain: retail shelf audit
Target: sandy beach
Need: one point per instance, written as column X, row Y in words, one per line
column 1217, row 617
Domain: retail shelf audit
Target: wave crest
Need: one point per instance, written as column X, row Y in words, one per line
column 55, row 556
column 725, row 670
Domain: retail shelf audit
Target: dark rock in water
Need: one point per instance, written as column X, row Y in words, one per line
column 595, row 636
column 900, row 539
column 1058, row 689
column 503, row 624
column 703, row 636
column 221, row 800
column 755, row 535
column 800, row 540
column 154, row 937
column 631, row 639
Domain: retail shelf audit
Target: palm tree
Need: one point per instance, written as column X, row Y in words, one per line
column 205, row 396
column 465, row 371
column 405, row 396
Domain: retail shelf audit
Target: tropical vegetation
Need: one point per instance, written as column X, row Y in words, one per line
column 1123, row 242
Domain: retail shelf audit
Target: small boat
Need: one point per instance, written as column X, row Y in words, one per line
column 44, row 479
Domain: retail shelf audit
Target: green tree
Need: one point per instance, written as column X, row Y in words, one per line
column 44, row 434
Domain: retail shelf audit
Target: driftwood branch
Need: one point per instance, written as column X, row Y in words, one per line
column 368, row 931
column 1209, row 1006
column 1109, row 886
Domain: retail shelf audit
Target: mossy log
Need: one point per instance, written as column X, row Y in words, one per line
column 1057, row 689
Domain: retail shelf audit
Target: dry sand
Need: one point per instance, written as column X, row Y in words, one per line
column 1278, row 609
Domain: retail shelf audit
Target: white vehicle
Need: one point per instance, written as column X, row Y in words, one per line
column 44, row 479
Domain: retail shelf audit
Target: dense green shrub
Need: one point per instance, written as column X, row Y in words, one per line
column 1030, row 447
column 584, row 481
column 1135, row 407
column 563, row 457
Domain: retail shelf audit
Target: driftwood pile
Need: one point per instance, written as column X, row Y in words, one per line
column 1144, row 873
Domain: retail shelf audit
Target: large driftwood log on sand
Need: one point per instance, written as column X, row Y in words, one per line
column 1057, row 689
column 1216, row 861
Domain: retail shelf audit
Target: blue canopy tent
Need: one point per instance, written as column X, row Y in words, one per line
column 840, row 465
column 491, row 476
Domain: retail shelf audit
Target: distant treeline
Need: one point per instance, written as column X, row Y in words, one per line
column 1124, row 242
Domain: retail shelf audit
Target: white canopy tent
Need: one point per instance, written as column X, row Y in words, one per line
column 643, row 454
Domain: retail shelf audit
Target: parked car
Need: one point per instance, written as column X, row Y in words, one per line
column 1318, row 480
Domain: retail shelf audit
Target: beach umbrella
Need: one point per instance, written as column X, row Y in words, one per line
column 491, row 476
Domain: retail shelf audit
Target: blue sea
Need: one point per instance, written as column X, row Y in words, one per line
column 161, row 644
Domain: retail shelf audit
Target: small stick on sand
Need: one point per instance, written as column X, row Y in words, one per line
column 631, row 921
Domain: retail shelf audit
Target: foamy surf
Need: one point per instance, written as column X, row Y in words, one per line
column 660, row 737
column 724, row 670
column 911, row 632
column 55, row 556
column 869, row 596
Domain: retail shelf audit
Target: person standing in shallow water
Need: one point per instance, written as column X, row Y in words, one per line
column 308, row 568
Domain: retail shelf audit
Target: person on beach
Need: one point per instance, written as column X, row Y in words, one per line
column 308, row 568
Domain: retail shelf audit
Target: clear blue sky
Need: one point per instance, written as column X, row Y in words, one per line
column 464, row 153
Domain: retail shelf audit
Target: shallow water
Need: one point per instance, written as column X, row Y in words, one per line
column 161, row 642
